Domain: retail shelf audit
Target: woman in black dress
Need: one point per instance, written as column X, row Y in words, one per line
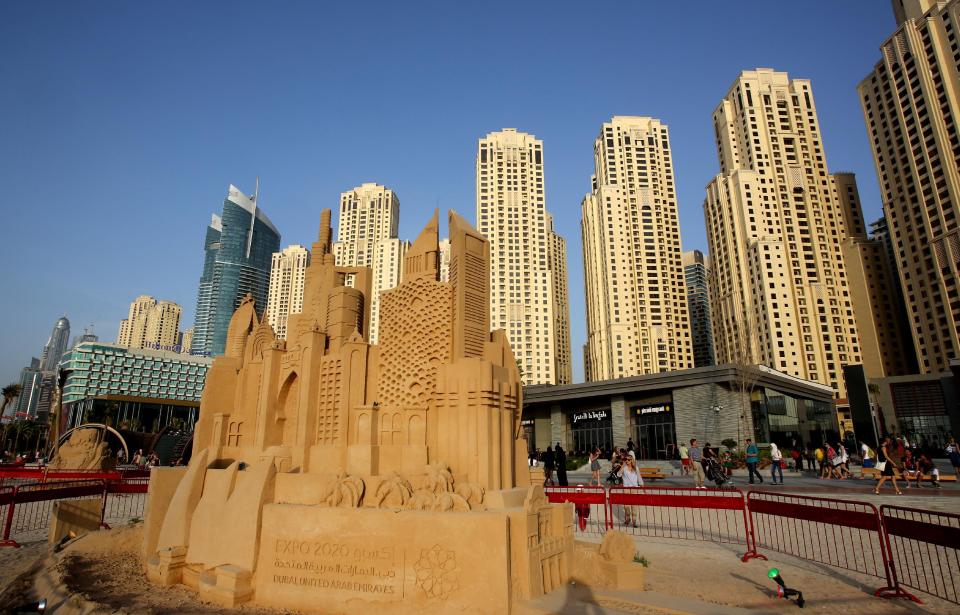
column 549, row 465
column 885, row 461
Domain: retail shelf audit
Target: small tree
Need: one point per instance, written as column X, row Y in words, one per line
column 10, row 393
column 735, row 330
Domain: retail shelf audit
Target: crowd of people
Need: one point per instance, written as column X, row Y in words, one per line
column 894, row 458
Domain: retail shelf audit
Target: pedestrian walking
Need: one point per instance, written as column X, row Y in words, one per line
column 953, row 453
column 776, row 465
column 560, row 456
column 753, row 458
column 797, row 460
column 842, row 470
column 886, row 465
column 594, row 467
column 548, row 466
column 631, row 478
column 867, row 455
column 684, row 460
column 696, row 461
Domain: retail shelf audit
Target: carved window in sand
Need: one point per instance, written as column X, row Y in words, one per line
column 391, row 429
column 328, row 419
column 234, row 433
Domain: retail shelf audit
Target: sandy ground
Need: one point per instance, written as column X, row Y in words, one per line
column 105, row 568
column 714, row 574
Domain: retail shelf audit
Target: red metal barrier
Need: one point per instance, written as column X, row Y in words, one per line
column 589, row 505
column 924, row 548
column 45, row 474
column 717, row 515
column 842, row 533
column 124, row 500
column 31, row 503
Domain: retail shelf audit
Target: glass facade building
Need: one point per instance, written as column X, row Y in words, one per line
column 695, row 275
column 238, row 248
column 141, row 390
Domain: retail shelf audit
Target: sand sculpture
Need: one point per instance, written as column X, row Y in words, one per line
column 85, row 449
column 329, row 474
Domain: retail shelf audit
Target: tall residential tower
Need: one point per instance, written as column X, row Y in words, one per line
column 696, row 274
column 911, row 103
column 774, row 226
column 637, row 320
column 287, row 274
column 367, row 237
column 525, row 255
column 150, row 324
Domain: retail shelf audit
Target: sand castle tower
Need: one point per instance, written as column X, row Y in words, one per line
column 328, row 471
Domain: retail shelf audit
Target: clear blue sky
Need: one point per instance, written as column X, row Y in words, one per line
column 124, row 122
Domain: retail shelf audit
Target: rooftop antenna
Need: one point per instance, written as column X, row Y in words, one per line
column 253, row 215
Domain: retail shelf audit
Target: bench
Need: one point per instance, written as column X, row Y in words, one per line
column 651, row 473
column 875, row 474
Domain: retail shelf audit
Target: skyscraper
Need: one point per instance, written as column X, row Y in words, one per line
column 911, row 109
column 697, row 275
column 524, row 255
column 56, row 345
column 150, row 324
column 779, row 290
column 87, row 336
column 238, row 249
column 287, row 273
column 884, row 341
column 637, row 320
column 367, row 237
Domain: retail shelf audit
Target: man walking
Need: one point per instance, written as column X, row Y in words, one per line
column 684, row 459
column 696, row 467
column 753, row 458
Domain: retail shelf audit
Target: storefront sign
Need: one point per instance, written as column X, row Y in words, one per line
column 652, row 409
column 590, row 415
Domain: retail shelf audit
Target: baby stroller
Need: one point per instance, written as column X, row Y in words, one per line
column 714, row 471
column 612, row 478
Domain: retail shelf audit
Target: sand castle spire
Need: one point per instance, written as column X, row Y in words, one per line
column 423, row 258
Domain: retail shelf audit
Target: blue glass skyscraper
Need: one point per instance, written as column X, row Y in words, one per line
column 238, row 248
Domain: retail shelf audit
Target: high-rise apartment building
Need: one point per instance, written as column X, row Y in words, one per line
column 367, row 237
column 511, row 213
column 637, row 319
column 696, row 274
column 238, row 251
column 444, row 260
column 186, row 341
column 911, row 106
column 55, row 347
column 287, row 274
column 561, row 303
column 150, row 324
column 137, row 313
column 873, row 289
column 779, row 288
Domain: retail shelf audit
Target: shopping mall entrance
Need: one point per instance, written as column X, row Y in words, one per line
column 654, row 431
column 591, row 429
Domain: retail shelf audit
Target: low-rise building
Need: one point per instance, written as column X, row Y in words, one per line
column 139, row 390
column 659, row 411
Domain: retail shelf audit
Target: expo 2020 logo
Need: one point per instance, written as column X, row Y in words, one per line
column 437, row 572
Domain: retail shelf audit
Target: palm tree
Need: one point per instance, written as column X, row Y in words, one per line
column 10, row 393
column 22, row 428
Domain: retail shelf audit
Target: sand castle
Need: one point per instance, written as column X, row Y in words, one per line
column 329, row 474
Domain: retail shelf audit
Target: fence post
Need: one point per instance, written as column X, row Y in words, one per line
column 893, row 589
column 6, row 542
column 748, row 528
column 103, row 506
